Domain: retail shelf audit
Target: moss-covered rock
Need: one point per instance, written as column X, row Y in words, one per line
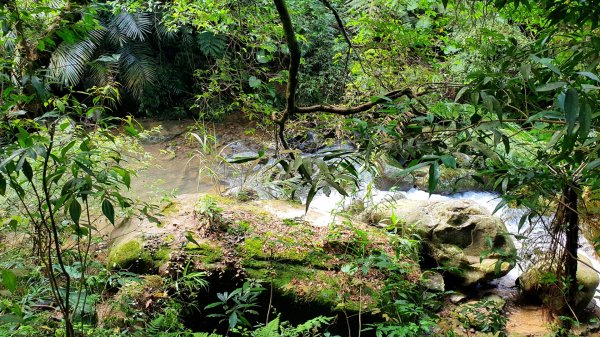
column 130, row 255
column 539, row 282
column 265, row 240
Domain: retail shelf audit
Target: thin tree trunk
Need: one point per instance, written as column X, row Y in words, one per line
column 571, row 219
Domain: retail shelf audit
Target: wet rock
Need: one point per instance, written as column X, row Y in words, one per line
column 433, row 281
column 533, row 286
column 458, row 234
column 308, row 142
column 242, row 193
column 450, row 180
column 457, row 297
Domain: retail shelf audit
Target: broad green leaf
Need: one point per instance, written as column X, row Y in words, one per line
column 9, row 280
column 254, row 82
column 233, row 320
column 75, row 211
column 108, row 210
column 585, row 122
column 571, row 109
column 13, row 223
column 27, row 170
column 448, row 161
column 550, row 86
column 434, row 176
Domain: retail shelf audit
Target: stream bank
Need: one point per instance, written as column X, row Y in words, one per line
column 174, row 167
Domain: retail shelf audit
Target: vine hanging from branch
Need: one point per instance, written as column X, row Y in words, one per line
column 291, row 107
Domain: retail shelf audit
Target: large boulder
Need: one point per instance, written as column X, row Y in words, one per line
column 537, row 282
column 305, row 259
column 459, row 235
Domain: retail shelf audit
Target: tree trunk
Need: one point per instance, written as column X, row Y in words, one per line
column 571, row 218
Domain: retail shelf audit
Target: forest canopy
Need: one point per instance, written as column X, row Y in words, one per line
column 508, row 91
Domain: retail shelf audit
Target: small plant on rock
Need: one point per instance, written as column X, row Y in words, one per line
column 209, row 208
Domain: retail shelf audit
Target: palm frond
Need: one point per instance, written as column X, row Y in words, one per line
column 103, row 70
column 137, row 68
column 69, row 60
column 167, row 34
column 132, row 26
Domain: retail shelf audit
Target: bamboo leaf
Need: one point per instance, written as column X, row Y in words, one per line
column 434, row 176
column 311, row 194
column 550, row 86
column 589, row 75
column 571, row 109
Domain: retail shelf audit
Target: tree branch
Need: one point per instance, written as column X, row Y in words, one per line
column 294, row 69
column 345, row 111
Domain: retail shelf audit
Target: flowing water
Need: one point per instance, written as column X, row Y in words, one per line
column 170, row 171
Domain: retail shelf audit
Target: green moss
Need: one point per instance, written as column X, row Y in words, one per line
column 161, row 256
column 307, row 284
column 270, row 247
column 290, row 222
column 209, row 253
column 130, row 255
column 169, row 238
column 170, row 209
column 253, row 247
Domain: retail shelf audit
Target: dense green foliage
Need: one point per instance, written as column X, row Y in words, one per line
column 509, row 90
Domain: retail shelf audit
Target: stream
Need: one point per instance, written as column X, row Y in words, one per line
column 171, row 172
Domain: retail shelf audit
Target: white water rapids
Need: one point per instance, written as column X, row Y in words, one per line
column 328, row 206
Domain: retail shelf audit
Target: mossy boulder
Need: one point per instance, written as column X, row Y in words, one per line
column 270, row 241
column 458, row 235
column 590, row 214
column 485, row 315
column 130, row 255
column 304, row 262
column 539, row 282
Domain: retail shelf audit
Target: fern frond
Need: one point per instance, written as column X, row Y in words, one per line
column 125, row 27
column 134, row 26
column 269, row 330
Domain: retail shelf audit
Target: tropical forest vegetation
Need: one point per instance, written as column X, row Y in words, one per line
column 299, row 168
